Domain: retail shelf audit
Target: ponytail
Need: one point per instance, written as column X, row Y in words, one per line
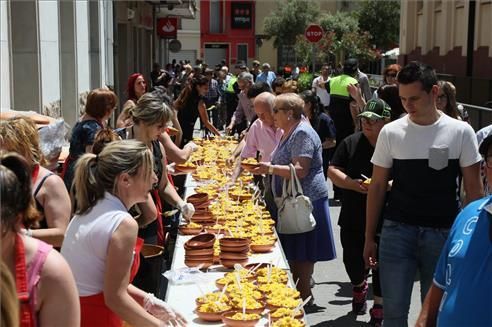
column 86, row 190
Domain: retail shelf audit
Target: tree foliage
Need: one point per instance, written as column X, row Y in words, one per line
column 289, row 20
column 342, row 39
column 382, row 20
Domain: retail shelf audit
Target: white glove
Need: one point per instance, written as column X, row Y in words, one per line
column 187, row 209
column 163, row 311
column 192, row 146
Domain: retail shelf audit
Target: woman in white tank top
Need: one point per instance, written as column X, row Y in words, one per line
column 101, row 243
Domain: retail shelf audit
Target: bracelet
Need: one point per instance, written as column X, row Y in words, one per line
column 270, row 169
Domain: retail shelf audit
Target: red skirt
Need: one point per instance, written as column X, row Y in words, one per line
column 93, row 309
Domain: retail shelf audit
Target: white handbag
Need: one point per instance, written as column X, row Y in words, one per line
column 295, row 209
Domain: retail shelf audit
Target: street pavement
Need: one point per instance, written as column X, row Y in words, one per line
column 333, row 292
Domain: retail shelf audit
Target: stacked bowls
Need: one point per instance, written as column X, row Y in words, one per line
column 233, row 250
column 199, row 251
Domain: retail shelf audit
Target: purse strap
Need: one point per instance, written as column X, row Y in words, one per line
column 295, row 184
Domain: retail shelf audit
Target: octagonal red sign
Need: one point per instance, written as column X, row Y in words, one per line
column 314, row 33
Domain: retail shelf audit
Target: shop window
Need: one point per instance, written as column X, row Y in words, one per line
column 215, row 17
column 242, row 52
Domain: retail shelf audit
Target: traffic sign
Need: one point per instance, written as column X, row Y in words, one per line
column 314, row 33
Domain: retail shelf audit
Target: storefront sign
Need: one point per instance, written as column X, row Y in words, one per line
column 167, row 28
column 241, row 15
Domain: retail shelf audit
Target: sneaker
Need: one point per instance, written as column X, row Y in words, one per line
column 359, row 299
column 376, row 314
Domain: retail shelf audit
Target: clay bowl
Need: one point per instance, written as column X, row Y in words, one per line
column 203, row 205
column 298, row 316
column 253, row 265
column 190, row 230
column 236, row 249
column 199, row 252
column 209, row 316
column 196, row 263
column 184, row 168
column 262, row 248
column 234, row 241
column 197, row 198
column 241, row 197
column 233, row 256
column 201, row 241
column 199, row 258
column 216, row 230
column 249, row 166
column 230, row 263
column 237, row 323
column 202, row 219
column 198, row 302
column 257, row 311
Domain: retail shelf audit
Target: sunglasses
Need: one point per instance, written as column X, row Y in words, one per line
column 276, row 110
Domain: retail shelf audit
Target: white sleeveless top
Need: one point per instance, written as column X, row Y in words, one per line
column 86, row 243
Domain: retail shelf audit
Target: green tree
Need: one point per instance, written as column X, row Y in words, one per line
column 342, row 39
column 289, row 20
column 382, row 20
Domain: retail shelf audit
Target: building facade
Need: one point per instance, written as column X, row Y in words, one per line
column 455, row 38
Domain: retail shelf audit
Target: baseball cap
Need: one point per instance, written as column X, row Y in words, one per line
column 350, row 66
column 376, row 109
column 485, row 145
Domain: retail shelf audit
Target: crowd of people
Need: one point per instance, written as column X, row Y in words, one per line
column 407, row 169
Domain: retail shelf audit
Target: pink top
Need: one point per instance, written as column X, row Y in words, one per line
column 34, row 273
column 261, row 138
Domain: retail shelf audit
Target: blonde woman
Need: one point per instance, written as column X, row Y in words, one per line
column 150, row 117
column 43, row 279
column 20, row 135
column 101, row 244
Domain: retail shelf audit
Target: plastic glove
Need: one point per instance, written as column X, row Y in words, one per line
column 163, row 311
column 192, row 146
column 187, row 209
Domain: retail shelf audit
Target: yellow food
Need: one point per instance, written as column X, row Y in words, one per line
column 192, row 225
column 288, row 322
column 283, row 312
column 213, row 297
column 246, row 316
column 214, row 307
column 367, row 181
column 250, row 161
column 284, row 302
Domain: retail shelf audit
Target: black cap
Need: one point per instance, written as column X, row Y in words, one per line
column 376, row 109
column 350, row 66
column 485, row 145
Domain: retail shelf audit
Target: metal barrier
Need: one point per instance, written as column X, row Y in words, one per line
column 478, row 116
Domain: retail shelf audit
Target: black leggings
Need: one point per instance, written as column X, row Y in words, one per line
column 353, row 259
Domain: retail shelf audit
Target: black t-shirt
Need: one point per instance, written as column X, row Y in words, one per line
column 353, row 155
column 324, row 126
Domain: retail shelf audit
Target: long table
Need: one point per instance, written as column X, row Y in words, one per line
column 182, row 296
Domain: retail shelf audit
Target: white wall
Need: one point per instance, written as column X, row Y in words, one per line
column 83, row 69
column 49, row 47
column 4, row 57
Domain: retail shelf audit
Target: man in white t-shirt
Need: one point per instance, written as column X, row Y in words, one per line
column 424, row 152
column 319, row 86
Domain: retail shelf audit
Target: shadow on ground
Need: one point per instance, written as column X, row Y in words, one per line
column 348, row 320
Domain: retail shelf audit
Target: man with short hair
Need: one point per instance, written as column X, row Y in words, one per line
column 319, row 86
column 462, row 281
column 255, row 71
column 211, row 99
column 425, row 152
column 244, row 113
column 266, row 74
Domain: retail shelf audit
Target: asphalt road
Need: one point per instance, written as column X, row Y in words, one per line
column 333, row 291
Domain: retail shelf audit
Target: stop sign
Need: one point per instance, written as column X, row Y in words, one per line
column 313, row 33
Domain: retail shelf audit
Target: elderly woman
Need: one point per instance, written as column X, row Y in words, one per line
column 101, row 244
column 45, row 286
column 300, row 145
column 50, row 195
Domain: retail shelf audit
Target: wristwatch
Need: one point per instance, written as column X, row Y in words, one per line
column 270, row 169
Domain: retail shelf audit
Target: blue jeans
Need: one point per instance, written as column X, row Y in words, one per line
column 404, row 250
